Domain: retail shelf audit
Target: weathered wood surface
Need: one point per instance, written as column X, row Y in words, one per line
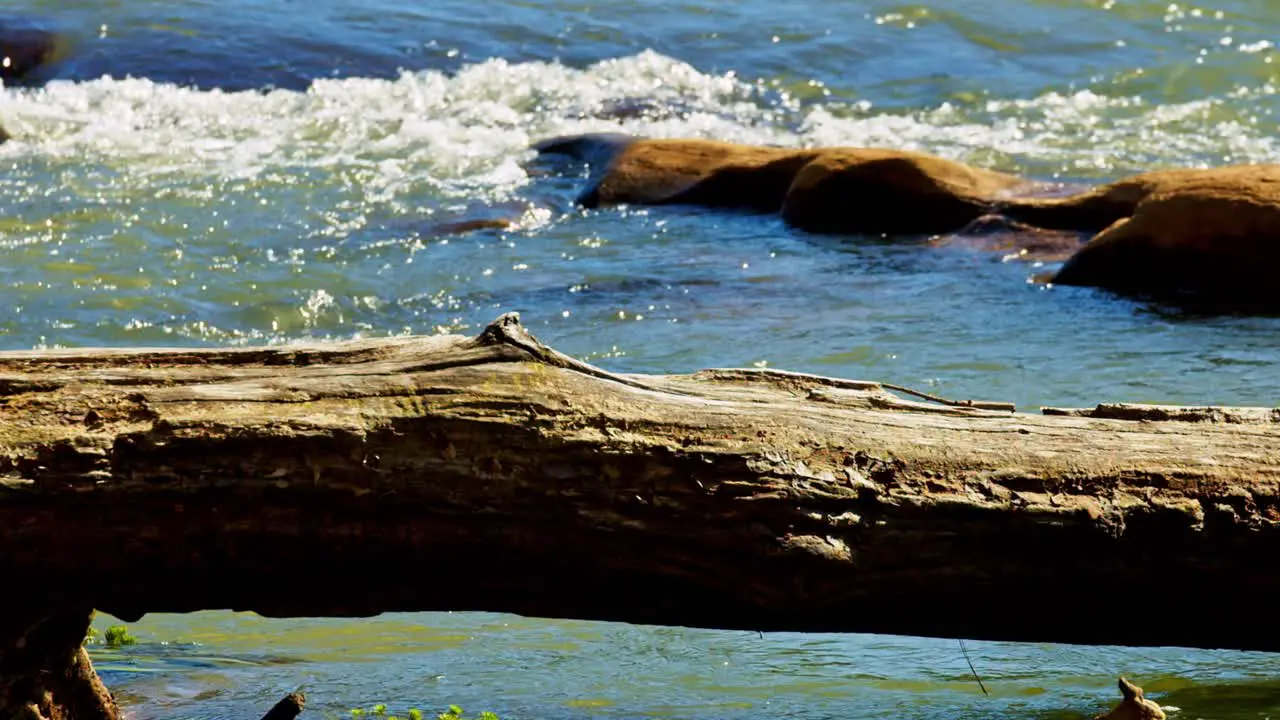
column 494, row 473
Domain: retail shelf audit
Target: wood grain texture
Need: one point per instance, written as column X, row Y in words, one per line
column 494, row 473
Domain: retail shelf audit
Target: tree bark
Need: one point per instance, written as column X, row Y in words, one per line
column 45, row 673
column 493, row 473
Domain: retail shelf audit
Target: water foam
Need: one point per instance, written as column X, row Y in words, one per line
column 466, row 133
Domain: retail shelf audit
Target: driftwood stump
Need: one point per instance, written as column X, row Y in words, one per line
column 45, row 673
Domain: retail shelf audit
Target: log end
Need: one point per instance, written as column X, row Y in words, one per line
column 506, row 330
column 289, row 707
column 1133, row 705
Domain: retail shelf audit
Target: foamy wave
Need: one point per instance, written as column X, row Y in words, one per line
column 466, row 133
column 468, row 129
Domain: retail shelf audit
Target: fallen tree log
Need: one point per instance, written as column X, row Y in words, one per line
column 493, row 473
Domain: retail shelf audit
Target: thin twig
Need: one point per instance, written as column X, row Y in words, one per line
column 862, row 385
column 979, row 404
column 965, row 651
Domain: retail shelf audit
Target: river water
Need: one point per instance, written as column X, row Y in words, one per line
column 254, row 171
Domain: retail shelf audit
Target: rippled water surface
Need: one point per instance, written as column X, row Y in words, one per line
column 246, row 171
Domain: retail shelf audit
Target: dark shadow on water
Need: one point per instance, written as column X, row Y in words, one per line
column 1196, row 309
column 225, row 52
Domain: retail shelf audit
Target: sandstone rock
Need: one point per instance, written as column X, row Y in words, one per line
column 1213, row 234
column 1095, row 209
column 1208, row 233
column 698, row 172
column 871, row 190
column 836, row 190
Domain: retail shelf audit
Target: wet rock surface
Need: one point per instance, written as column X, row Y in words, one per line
column 1203, row 236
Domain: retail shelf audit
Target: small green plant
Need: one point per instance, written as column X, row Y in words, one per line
column 91, row 636
column 453, row 713
column 118, row 636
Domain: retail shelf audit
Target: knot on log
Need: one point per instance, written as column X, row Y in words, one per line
column 507, row 330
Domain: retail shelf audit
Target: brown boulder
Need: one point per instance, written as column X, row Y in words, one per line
column 698, row 172
column 1213, row 234
column 837, row 190
column 1208, row 233
column 1095, row 209
column 872, row 190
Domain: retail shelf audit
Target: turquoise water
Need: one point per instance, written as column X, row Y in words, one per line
column 250, row 172
column 214, row 665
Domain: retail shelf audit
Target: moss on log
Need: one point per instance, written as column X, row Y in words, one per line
column 493, row 473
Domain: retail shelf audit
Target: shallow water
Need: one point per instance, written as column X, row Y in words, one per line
column 247, row 171
column 213, row 665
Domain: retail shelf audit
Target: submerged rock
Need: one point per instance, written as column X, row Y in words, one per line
column 594, row 148
column 1014, row 240
column 25, row 50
